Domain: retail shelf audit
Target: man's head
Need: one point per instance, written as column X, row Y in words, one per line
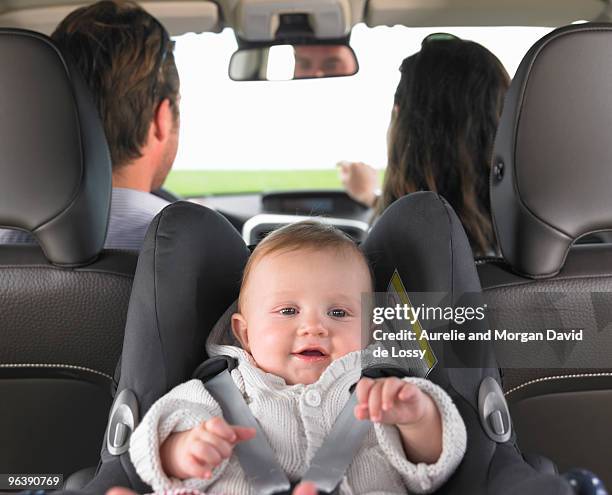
column 300, row 301
column 126, row 58
column 324, row 61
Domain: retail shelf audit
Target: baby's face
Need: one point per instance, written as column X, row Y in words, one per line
column 301, row 310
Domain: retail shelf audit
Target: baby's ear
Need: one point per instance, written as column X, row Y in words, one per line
column 239, row 327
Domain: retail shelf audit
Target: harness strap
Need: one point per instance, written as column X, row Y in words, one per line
column 255, row 456
column 329, row 463
column 333, row 458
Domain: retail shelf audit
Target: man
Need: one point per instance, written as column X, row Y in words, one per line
column 323, row 61
column 126, row 58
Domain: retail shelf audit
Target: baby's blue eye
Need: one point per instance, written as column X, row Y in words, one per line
column 287, row 311
column 337, row 313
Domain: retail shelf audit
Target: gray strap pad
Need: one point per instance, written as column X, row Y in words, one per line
column 329, row 463
column 333, row 458
column 255, row 456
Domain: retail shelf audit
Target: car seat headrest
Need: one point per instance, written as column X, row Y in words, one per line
column 551, row 165
column 55, row 164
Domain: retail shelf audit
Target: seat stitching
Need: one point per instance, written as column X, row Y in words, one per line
column 65, row 366
column 556, row 377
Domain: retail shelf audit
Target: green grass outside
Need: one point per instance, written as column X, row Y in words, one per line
column 205, row 182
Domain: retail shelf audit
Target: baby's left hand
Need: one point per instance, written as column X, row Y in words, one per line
column 390, row 401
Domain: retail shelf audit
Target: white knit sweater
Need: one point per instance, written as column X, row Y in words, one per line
column 296, row 420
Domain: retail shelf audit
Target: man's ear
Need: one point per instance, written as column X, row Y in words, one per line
column 239, row 327
column 163, row 121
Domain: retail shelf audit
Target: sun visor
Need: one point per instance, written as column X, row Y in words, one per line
column 177, row 17
column 426, row 13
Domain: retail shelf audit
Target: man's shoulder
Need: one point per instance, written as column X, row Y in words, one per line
column 130, row 201
column 130, row 216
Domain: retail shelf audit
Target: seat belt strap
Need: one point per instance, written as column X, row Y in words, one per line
column 255, row 456
column 333, row 458
column 328, row 465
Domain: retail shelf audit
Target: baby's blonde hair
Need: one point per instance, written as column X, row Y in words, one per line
column 307, row 235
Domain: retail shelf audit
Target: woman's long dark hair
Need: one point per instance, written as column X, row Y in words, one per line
column 447, row 107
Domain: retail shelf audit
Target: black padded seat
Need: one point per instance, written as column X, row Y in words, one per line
column 550, row 186
column 189, row 272
column 62, row 332
column 579, row 431
column 64, row 302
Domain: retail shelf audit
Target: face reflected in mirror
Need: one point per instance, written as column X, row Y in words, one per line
column 324, row 61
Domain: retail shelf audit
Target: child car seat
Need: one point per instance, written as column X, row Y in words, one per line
column 189, row 272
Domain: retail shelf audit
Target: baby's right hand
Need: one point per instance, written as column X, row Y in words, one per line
column 195, row 453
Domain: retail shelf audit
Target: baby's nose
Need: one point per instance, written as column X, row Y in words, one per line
column 313, row 325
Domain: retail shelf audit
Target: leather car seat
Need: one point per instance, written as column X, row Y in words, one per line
column 551, row 184
column 64, row 302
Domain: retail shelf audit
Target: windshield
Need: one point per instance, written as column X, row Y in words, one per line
column 259, row 136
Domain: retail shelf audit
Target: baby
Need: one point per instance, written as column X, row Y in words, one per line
column 299, row 328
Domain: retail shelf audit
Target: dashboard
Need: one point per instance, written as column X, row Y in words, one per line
column 255, row 215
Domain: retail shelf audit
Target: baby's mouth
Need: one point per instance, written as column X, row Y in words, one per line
column 311, row 354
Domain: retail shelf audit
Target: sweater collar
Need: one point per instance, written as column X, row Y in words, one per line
column 346, row 368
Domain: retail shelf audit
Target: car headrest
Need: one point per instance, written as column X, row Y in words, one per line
column 552, row 162
column 54, row 160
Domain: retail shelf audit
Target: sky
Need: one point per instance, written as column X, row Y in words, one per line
column 306, row 124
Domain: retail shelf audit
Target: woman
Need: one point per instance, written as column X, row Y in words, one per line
column 446, row 110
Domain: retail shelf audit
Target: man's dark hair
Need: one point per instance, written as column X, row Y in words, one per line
column 126, row 57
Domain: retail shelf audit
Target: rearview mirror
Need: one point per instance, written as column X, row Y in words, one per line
column 286, row 62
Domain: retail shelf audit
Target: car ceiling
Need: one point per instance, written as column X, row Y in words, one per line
column 181, row 16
